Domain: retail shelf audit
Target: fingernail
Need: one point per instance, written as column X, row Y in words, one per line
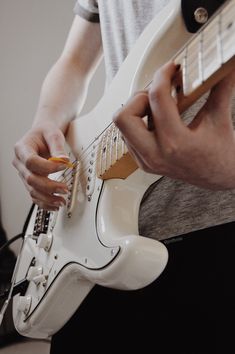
column 61, row 191
column 58, row 204
column 61, row 167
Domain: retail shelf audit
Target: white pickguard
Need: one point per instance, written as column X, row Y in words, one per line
column 100, row 242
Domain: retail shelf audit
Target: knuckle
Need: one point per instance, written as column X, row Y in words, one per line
column 32, row 194
column 55, row 136
column 29, row 162
column 172, row 150
column 17, row 148
column 118, row 117
column 29, row 179
column 155, row 93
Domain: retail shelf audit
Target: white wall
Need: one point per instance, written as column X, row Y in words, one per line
column 32, row 35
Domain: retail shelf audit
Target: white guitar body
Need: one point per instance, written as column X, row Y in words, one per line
column 99, row 242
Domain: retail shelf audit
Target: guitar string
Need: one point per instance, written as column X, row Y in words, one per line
column 68, row 173
column 190, row 64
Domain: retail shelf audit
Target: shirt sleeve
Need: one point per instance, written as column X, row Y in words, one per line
column 87, row 9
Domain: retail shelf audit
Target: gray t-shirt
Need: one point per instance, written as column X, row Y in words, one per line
column 169, row 208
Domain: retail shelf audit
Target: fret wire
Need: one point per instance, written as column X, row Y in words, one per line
column 201, row 58
column 111, row 149
column 116, row 143
column 102, row 152
column 228, row 12
column 107, row 149
column 185, row 69
column 219, row 39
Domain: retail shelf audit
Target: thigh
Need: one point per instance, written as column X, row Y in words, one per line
column 180, row 312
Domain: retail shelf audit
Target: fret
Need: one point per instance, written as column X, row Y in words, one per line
column 185, row 72
column 116, row 143
column 212, row 59
column 123, row 146
column 227, row 31
column 204, row 60
column 208, row 50
column 119, row 146
column 192, row 76
column 111, row 149
column 108, row 161
column 103, row 153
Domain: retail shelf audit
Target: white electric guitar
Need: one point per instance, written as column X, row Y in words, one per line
column 95, row 239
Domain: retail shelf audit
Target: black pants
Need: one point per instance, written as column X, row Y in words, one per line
column 189, row 309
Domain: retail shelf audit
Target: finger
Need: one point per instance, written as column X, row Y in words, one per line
column 42, row 183
column 28, row 158
column 164, row 109
column 141, row 163
column 133, row 128
column 46, row 185
column 56, row 143
column 54, row 201
column 45, row 196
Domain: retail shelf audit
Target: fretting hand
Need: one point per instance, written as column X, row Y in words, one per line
column 201, row 153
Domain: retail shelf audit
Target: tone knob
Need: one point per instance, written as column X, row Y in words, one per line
column 45, row 241
column 34, row 271
column 35, row 274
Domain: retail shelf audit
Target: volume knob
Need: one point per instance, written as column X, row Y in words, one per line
column 45, row 241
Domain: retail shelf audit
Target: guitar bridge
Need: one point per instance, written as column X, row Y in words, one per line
column 41, row 222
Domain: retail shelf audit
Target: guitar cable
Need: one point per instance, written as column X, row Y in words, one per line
column 21, row 286
column 13, row 239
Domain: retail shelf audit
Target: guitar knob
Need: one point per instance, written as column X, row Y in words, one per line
column 45, row 241
column 34, row 271
column 24, row 304
column 40, row 279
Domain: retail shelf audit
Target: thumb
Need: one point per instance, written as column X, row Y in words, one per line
column 55, row 140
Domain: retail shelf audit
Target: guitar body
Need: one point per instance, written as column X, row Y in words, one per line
column 96, row 239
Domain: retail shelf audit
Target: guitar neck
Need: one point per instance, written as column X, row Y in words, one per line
column 205, row 60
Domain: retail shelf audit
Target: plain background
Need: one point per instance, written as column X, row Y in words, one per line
column 32, row 36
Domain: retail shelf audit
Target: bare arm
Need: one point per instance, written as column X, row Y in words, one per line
column 62, row 97
column 65, row 87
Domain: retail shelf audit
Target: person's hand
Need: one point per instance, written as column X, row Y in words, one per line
column 31, row 161
column 201, row 153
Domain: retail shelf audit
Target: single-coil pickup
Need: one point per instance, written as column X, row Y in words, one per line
column 90, row 171
column 73, row 188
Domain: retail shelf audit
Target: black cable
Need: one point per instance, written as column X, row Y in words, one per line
column 21, row 235
column 19, row 287
column 22, row 285
column 13, row 239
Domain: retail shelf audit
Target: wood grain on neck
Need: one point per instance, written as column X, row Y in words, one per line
column 204, row 61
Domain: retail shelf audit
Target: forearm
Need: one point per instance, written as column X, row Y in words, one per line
column 65, row 87
column 63, row 93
